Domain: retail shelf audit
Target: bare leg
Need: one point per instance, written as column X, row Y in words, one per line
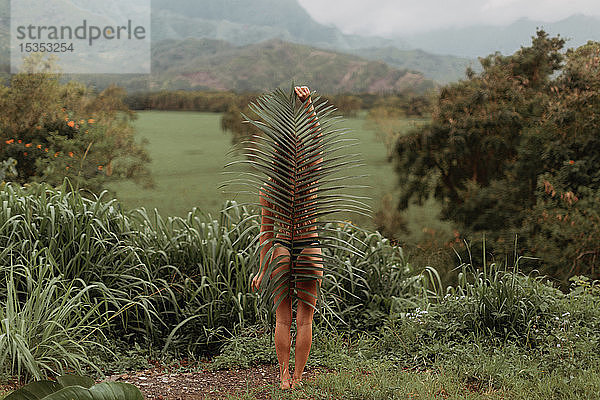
column 283, row 340
column 304, row 315
column 283, row 323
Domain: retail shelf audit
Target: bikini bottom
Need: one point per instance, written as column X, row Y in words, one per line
column 303, row 243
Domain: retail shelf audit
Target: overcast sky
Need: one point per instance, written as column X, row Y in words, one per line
column 398, row 17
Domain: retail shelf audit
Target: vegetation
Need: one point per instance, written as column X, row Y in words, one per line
column 74, row 387
column 54, row 130
column 511, row 151
column 180, row 286
column 381, row 109
column 46, row 327
column 175, row 285
column 87, row 286
column 275, row 63
column 187, row 165
column 389, row 116
column 181, row 100
column 443, row 69
column 497, row 334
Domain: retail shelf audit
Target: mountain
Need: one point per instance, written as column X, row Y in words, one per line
column 217, row 65
column 443, row 56
column 242, row 22
column 442, row 69
column 208, row 64
column 481, row 40
column 245, row 22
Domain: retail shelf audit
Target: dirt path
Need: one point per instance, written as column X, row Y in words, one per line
column 162, row 384
column 205, row 384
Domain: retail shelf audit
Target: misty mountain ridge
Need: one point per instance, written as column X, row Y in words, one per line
column 482, row 40
column 241, row 22
column 441, row 54
column 244, row 23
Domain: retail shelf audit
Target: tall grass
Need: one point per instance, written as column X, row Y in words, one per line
column 76, row 273
column 42, row 328
column 501, row 303
column 372, row 287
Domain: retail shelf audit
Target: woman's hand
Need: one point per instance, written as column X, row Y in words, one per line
column 256, row 281
column 303, row 92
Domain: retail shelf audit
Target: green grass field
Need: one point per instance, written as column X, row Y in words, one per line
column 189, row 151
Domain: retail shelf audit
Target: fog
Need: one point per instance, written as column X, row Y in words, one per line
column 390, row 18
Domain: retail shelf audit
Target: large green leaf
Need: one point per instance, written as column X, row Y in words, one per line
column 304, row 170
column 71, row 380
column 70, row 387
column 35, row 390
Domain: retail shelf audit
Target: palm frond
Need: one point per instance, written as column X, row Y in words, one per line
column 301, row 168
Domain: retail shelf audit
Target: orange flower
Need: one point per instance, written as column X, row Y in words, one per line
column 571, row 162
column 99, row 167
column 56, row 154
column 24, row 153
column 19, row 140
column 39, row 146
column 70, row 154
column 10, row 141
column 67, row 167
column 46, row 149
column 28, row 145
column 71, row 123
column 91, row 121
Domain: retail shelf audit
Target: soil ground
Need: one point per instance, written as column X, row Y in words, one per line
column 162, row 384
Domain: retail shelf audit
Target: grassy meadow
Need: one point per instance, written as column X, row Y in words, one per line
column 188, row 151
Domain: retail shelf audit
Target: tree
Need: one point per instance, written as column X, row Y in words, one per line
column 55, row 130
column 465, row 154
column 515, row 150
column 232, row 119
column 564, row 223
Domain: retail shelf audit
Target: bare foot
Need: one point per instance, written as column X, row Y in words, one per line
column 285, row 380
column 296, row 382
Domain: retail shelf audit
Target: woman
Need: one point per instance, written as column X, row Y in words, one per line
column 309, row 257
